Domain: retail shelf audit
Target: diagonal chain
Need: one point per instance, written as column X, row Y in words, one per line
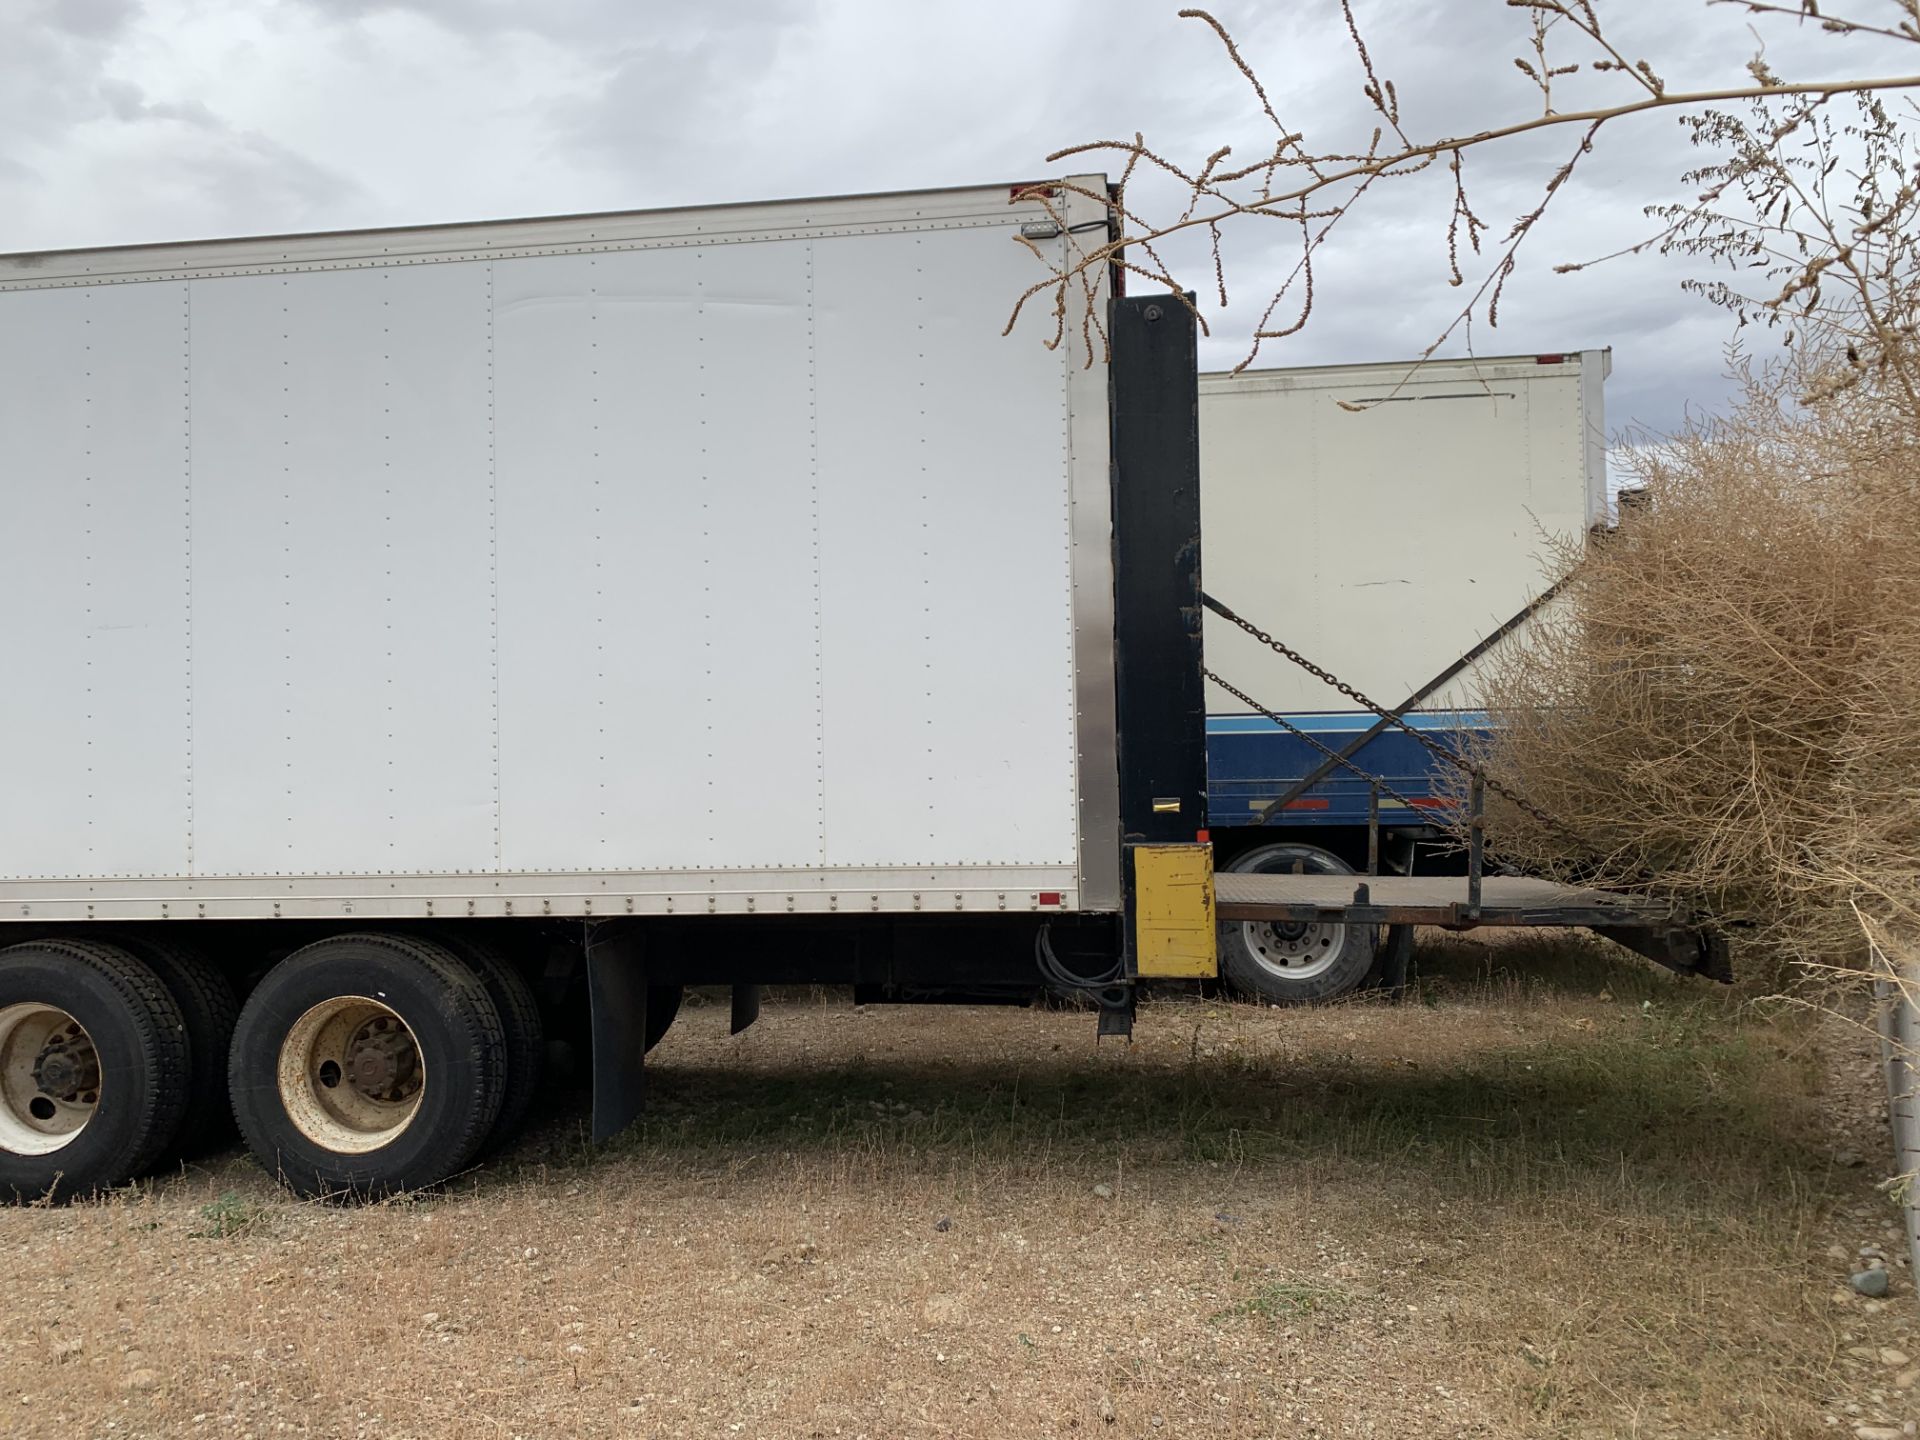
column 1444, row 752
column 1325, row 750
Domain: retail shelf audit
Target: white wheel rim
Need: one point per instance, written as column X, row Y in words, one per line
column 49, row 1079
column 351, row 1075
column 1295, row 951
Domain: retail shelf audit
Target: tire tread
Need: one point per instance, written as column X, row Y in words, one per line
column 161, row 1035
column 521, row 1026
column 473, row 1012
column 200, row 988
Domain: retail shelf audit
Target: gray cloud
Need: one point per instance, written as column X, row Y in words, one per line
column 77, row 137
column 94, row 19
column 126, row 101
column 127, row 120
column 49, row 64
column 684, row 101
column 590, row 20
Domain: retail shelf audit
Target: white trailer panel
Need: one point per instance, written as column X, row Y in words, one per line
column 947, row 533
column 94, row 590
column 726, row 559
column 338, row 546
column 1384, row 541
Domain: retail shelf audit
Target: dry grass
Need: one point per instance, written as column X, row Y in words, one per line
column 1593, row 1202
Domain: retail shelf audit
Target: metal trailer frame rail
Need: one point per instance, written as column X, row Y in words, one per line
column 1642, row 924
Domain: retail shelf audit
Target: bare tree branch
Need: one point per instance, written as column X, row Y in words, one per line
column 1327, row 182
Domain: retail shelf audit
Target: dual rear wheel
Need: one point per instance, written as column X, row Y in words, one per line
column 370, row 1063
column 100, row 1048
column 363, row 1063
column 375, row 1063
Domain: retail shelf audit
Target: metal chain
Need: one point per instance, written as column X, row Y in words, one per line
column 1331, row 754
column 1327, row 677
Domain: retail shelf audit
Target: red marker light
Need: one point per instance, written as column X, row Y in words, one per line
column 1203, row 837
column 1048, row 897
column 1549, row 359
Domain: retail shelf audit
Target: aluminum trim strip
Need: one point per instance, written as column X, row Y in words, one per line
column 584, row 234
column 1091, row 488
column 948, row 889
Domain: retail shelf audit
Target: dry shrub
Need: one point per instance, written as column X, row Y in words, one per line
column 1722, row 706
column 1878, row 850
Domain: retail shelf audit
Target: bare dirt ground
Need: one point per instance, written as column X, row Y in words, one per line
column 1600, row 1203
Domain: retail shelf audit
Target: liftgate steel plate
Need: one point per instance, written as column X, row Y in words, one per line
column 1429, row 900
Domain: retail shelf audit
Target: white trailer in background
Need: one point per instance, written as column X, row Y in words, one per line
column 1384, row 520
column 1397, row 534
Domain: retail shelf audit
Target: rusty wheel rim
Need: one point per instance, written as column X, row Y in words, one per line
column 351, row 1074
column 49, row 1079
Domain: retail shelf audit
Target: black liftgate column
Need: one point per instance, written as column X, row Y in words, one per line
column 1156, row 566
column 1162, row 706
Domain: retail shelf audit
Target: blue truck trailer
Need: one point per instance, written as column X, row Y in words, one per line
column 1254, row 764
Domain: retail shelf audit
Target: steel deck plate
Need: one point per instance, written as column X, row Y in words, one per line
column 1429, row 900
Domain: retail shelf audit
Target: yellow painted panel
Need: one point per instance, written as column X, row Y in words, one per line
column 1173, row 911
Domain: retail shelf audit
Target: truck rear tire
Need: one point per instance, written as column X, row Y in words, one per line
column 520, row 1026
column 93, row 1068
column 208, row 1007
column 367, row 1065
column 1294, row 964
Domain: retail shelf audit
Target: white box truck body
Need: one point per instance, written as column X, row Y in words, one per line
column 699, row 560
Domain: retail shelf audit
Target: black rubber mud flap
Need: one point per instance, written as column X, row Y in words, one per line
column 617, row 995
column 746, row 1007
column 1395, row 960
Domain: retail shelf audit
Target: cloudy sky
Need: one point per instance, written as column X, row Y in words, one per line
column 135, row 120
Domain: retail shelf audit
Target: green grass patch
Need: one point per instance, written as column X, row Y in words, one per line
column 226, row 1217
column 1283, row 1300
